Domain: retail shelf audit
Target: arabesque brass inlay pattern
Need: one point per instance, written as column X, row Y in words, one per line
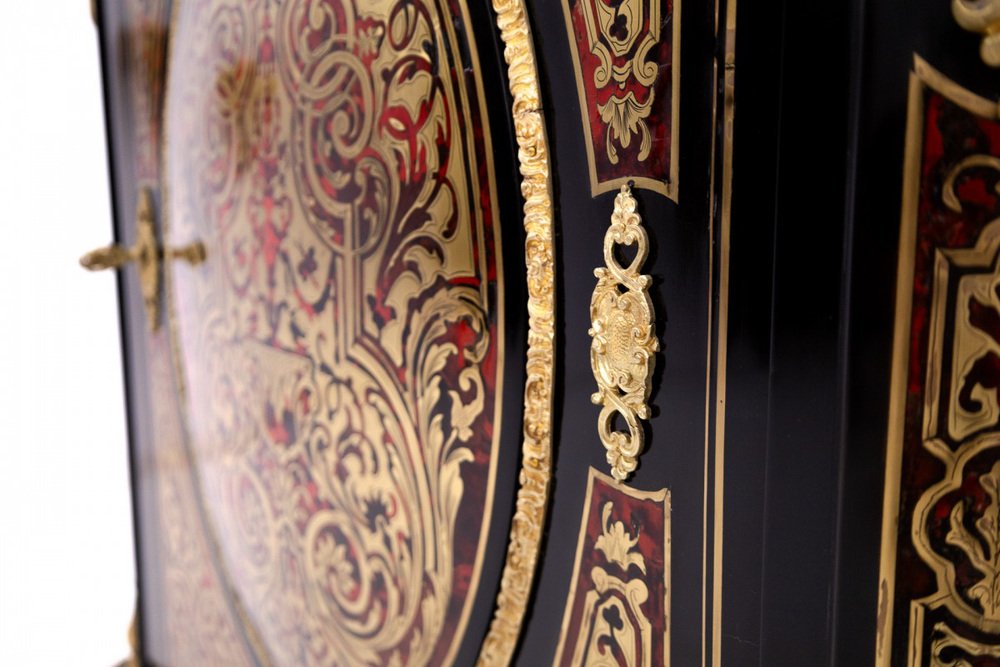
column 613, row 31
column 614, row 600
column 939, row 597
column 626, row 60
column 342, row 352
column 948, row 649
column 624, row 338
column 617, row 610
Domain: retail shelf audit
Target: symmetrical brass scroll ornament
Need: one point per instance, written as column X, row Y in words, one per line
column 939, row 582
column 982, row 16
column 147, row 254
column 624, row 345
column 624, row 115
column 619, row 596
column 626, row 60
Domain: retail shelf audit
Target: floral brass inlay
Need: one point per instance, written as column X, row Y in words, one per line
column 613, row 601
column 986, row 591
column 614, row 31
column 342, row 353
column 617, row 611
column 624, row 344
column 626, row 60
column 939, row 589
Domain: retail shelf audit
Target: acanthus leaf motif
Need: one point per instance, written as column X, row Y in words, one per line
column 983, row 548
column 617, row 544
column 621, row 35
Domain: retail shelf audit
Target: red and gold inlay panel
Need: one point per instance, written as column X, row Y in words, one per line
column 341, row 348
column 626, row 57
column 939, row 597
column 617, row 611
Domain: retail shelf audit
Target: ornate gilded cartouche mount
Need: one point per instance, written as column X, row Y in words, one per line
column 982, row 16
column 624, row 339
column 147, row 254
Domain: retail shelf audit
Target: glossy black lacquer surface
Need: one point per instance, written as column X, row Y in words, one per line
column 679, row 264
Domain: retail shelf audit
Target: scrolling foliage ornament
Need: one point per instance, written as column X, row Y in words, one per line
column 626, row 60
column 624, row 340
column 939, row 588
column 618, row 607
column 342, row 352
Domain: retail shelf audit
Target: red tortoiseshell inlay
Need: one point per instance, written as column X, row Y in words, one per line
column 618, row 607
column 626, row 61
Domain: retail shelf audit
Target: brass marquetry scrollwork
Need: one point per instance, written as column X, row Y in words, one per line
column 615, row 597
column 624, row 115
column 939, row 592
column 624, row 339
column 618, row 608
column 949, row 649
column 342, row 357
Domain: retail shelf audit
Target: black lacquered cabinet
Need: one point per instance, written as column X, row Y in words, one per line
column 582, row 332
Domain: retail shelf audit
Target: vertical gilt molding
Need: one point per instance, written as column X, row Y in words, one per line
column 536, row 463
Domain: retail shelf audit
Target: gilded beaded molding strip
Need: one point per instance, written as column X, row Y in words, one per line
column 624, row 343
column 536, row 462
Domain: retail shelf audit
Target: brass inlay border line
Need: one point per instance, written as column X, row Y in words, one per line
column 722, row 322
column 536, row 464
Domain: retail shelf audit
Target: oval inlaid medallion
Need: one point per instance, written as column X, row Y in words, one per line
column 341, row 348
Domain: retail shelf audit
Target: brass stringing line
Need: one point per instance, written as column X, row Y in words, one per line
column 709, row 351
column 536, row 465
column 722, row 327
